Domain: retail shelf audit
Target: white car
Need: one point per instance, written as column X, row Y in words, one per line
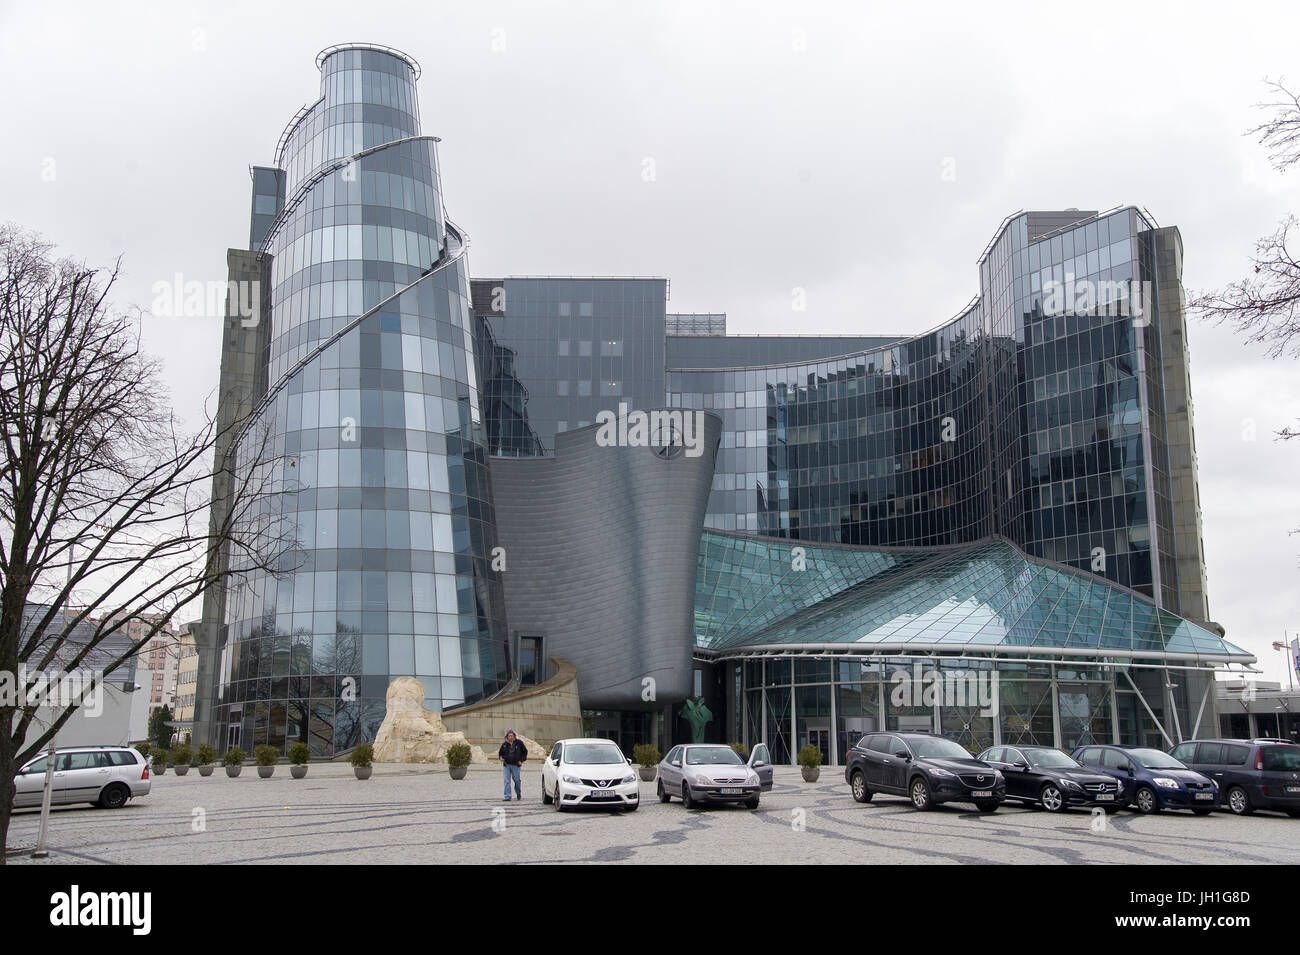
column 589, row 772
column 101, row 775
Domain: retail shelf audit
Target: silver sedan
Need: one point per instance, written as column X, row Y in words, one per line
column 707, row 773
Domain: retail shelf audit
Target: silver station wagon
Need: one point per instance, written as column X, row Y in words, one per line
column 101, row 775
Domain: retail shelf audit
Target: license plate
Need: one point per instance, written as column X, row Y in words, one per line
column 1293, row 789
column 1105, row 797
column 981, row 793
column 602, row 794
column 1205, row 795
column 731, row 791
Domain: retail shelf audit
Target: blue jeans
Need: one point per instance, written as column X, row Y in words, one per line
column 508, row 773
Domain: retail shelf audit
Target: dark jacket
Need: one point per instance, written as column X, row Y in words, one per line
column 513, row 753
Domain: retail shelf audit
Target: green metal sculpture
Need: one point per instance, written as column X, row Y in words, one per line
column 698, row 715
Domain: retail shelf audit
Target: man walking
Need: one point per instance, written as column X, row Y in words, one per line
column 513, row 753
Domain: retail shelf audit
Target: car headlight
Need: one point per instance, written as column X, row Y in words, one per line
column 628, row 779
column 1070, row 784
column 702, row 780
column 573, row 780
column 1165, row 782
column 936, row 771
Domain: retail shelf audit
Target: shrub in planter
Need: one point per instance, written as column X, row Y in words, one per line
column 647, row 757
column 206, row 757
column 458, row 758
column 142, row 749
column 810, row 760
column 299, row 754
column 181, row 757
column 361, row 759
column 741, row 750
column 159, row 759
column 266, row 757
column 233, row 761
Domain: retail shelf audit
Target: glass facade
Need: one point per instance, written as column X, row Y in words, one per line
column 373, row 418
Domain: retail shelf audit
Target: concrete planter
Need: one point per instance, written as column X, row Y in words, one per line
column 266, row 771
column 458, row 772
column 810, row 773
column 233, row 771
column 299, row 771
column 182, row 768
column 363, row 772
column 648, row 773
column 157, row 769
column 205, row 770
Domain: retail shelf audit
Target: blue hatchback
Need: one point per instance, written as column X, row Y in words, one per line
column 1151, row 780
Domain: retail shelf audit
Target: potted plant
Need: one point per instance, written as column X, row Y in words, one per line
column 207, row 756
column 299, row 754
column 810, row 760
column 181, row 757
column 233, row 761
column 647, row 757
column 741, row 750
column 159, row 759
column 266, row 757
column 361, row 759
column 458, row 757
column 142, row 749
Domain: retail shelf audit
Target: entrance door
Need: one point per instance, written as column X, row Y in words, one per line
column 821, row 738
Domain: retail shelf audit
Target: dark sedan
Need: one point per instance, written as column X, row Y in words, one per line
column 1052, row 779
column 1152, row 780
column 927, row 769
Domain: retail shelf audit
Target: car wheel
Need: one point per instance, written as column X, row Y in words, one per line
column 546, row 799
column 1052, row 799
column 1239, row 802
column 1145, row 800
column 920, row 791
column 859, row 785
column 664, row 795
column 687, row 801
column 751, row 803
column 114, row 796
column 559, row 803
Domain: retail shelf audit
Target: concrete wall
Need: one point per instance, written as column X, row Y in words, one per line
column 601, row 549
column 545, row 713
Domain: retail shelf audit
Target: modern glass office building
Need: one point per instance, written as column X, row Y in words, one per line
column 1011, row 494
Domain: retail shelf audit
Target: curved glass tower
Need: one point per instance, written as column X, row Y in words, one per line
column 371, row 410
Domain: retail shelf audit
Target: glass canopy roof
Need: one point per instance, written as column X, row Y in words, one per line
column 763, row 592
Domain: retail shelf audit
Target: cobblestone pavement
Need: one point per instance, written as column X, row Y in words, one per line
column 418, row 814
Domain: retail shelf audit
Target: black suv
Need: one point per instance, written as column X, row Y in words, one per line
column 926, row 768
column 1252, row 774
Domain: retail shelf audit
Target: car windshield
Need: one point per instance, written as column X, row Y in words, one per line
column 592, row 754
column 713, row 756
column 1050, row 759
column 1281, row 757
column 926, row 748
column 1154, row 759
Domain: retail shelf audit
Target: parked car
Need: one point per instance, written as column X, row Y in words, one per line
column 589, row 772
column 1047, row 777
column 928, row 769
column 104, row 776
column 702, row 773
column 1150, row 779
column 1251, row 774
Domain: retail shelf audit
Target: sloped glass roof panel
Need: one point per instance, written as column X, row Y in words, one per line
column 766, row 592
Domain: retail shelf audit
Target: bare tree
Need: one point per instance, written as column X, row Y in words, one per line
column 1265, row 306
column 104, row 496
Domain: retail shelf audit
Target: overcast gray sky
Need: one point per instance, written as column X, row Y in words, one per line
column 794, row 145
